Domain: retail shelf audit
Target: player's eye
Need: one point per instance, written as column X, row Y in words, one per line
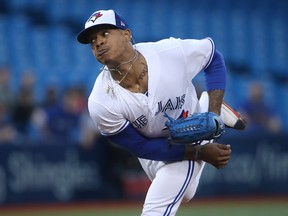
column 92, row 42
column 105, row 34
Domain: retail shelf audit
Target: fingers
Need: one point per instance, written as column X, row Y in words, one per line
column 224, row 146
column 224, row 156
column 222, row 163
column 225, row 149
column 216, row 154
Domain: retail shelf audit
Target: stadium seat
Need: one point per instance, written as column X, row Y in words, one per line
column 249, row 33
column 17, row 5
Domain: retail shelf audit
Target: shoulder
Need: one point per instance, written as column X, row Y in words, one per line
column 197, row 44
column 172, row 41
column 104, row 107
column 160, row 45
column 176, row 43
column 102, row 92
column 106, row 113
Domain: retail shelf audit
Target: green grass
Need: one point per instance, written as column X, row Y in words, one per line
column 207, row 208
column 238, row 210
column 121, row 212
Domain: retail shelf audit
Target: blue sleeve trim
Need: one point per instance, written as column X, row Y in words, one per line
column 147, row 148
column 215, row 73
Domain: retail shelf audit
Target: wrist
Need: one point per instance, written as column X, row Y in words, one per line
column 193, row 152
column 198, row 153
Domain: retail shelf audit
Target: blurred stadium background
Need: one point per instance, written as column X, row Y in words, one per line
column 52, row 154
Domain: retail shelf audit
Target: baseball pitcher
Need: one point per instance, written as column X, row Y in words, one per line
column 144, row 101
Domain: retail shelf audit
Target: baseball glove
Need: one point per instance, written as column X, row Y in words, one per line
column 195, row 128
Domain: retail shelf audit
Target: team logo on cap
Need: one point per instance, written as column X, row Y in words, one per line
column 94, row 17
column 122, row 24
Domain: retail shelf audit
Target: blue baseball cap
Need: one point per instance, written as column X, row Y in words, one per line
column 101, row 19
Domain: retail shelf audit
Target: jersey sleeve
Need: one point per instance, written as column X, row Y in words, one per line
column 197, row 54
column 140, row 146
column 108, row 121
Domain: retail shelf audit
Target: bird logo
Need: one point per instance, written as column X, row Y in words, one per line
column 95, row 16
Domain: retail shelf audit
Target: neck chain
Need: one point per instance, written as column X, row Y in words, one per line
column 110, row 87
column 133, row 59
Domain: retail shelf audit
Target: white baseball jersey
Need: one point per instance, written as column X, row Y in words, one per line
column 172, row 64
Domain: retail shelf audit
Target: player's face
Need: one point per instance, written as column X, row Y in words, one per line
column 109, row 45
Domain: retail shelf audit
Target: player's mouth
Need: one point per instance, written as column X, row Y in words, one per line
column 101, row 52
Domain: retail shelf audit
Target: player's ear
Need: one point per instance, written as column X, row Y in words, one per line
column 128, row 34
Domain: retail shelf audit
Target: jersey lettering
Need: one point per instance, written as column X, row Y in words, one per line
column 140, row 122
column 180, row 100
